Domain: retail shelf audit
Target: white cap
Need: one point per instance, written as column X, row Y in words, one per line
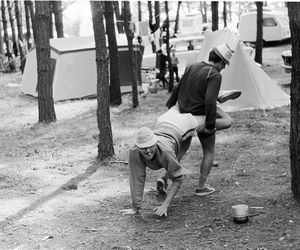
column 145, row 138
column 224, row 52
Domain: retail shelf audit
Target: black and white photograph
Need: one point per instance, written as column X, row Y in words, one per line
column 149, row 125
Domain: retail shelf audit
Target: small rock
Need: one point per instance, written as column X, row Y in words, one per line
column 71, row 186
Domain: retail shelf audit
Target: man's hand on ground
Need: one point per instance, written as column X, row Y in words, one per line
column 129, row 211
column 161, row 210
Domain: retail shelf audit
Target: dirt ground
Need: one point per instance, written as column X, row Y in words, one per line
column 54, row 194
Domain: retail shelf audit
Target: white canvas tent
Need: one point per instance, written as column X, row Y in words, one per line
column 259, row 91
column 75, row 74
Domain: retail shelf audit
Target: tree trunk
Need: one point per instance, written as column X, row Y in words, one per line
column 224, row 14
column 157, row 19
column 157, row 14
column 151, row 26
column 20, row 34
column 1, row 44
column 215, row 15
column 129, row 34
column 28, row 29
column 6, row 39
column 58, row 17
column 51, row 19
column 120, row 19
column 12, row 26
column 230, row 10
column 171, row 75
column 115, row 90
column 44, row 85
column 205, row 12
column 105, row 144
column 150, row 13
column 293, row 12
column 139, row 11
column 33, row 22
column 259, row 33
column 177, row 19
column 189, row 7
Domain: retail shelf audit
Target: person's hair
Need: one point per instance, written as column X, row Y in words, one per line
column 213, row 57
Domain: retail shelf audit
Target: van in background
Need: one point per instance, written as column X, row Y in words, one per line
column 275, row 26
column 189, row 25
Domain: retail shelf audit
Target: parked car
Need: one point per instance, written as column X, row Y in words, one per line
column 275, row 26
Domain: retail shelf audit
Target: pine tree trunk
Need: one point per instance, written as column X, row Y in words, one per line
column 51, row 19
column 28, row 27
column 177, row 19
column 151, row 26
column 157, row 19
column 157, row 14
column 133, row 65
column 6, row 39
column 224, row 14
column 33, row 22
column 12, row 26
column 105, row 143
column 44, row 85
column 120, row 20
column 215, row 15
column 259, row 33
column 205, row 12
column 20, row 34
column 171, row 75
column 230, row 10
column 293, row 12
column 58, row 17
column 1, row 45
column 150, row 13
column 139, row 11
column 115, row 90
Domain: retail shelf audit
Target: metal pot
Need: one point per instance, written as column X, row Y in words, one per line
column 240, row 213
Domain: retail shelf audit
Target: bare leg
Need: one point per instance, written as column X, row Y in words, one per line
column 208, row 146
column 223, row 120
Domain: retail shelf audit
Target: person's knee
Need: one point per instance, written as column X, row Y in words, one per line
column 228, row 122
column 208, row 144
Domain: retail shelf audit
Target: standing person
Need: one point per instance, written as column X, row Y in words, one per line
column 175, row 62
column 162, row 66
column 163, row 148
column 190, row 46
column 197, row 93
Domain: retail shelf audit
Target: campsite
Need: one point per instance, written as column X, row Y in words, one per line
column 56, row 195
column 76, row 56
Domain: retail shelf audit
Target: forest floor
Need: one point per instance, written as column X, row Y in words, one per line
column 54, row 194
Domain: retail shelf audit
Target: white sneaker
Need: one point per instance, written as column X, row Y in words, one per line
column 207, row 190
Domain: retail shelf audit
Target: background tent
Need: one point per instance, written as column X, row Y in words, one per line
column 215, row 38
column 259, row 91
column 75, row 74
